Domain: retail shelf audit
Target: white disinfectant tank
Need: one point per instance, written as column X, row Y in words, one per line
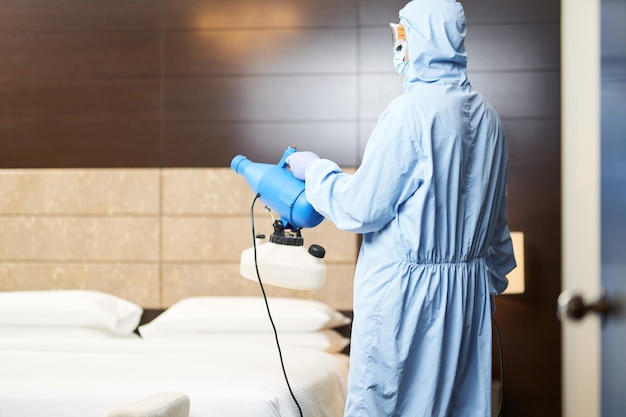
column 285, row 266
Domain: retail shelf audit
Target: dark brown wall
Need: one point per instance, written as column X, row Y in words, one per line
column 170, row 83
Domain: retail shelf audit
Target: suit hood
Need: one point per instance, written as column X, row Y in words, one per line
column 435, row 32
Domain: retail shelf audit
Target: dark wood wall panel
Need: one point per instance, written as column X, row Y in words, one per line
column 271, row 98
column 534, row 144
column 260, row 117
column 513, row 47
column 68, row 144
column 169, row 83
column 513, row 11
column 79, row 15
column 211, row 14
column 528, row 191
column 262, row 51
column 186, row 144
column 376, row 52
column 376, row 91
column 79, row 101
column 68, row 55
column 375, row 12
column 515, row 94
column 531, row 383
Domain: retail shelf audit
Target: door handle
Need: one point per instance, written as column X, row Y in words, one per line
column 574, row 307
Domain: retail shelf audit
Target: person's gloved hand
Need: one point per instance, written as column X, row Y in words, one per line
column 299, row 161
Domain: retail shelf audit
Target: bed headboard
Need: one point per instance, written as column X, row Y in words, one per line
column 152, row 236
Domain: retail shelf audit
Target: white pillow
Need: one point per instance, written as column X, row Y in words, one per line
column 69, row 308
column 243, row 314
column 327, row 340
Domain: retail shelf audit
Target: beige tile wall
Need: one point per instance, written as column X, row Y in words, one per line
column 153, row 236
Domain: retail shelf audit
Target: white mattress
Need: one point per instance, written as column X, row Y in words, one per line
column 57, row 377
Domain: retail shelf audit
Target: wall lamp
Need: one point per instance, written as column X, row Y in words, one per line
column 516, row 276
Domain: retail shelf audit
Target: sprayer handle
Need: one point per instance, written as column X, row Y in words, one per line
column 283, row 161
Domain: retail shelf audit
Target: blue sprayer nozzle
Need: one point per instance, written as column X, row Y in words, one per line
column 279, row 190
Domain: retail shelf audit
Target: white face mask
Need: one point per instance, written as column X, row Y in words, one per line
column 399, row 48
column 399, row 63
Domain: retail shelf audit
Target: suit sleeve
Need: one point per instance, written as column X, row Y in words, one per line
column 368, row 199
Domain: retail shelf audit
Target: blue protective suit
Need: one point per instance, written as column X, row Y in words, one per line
column 430, row 200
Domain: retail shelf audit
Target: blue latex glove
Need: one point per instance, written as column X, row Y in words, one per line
column 299, row 161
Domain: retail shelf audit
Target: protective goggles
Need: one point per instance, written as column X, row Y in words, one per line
column 397, row 36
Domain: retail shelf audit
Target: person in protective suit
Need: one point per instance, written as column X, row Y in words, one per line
column 430, row 199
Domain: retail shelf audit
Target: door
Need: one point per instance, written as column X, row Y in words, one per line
column 613, row 202
column 594, row 203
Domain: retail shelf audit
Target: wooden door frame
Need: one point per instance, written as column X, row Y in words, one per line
column 580, row 92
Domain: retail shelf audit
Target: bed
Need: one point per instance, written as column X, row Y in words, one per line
column 84, row 353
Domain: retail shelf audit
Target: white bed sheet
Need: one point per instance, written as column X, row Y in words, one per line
column 91, row 377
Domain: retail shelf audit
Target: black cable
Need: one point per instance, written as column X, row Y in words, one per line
column 267, row 306
column 495, row 326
